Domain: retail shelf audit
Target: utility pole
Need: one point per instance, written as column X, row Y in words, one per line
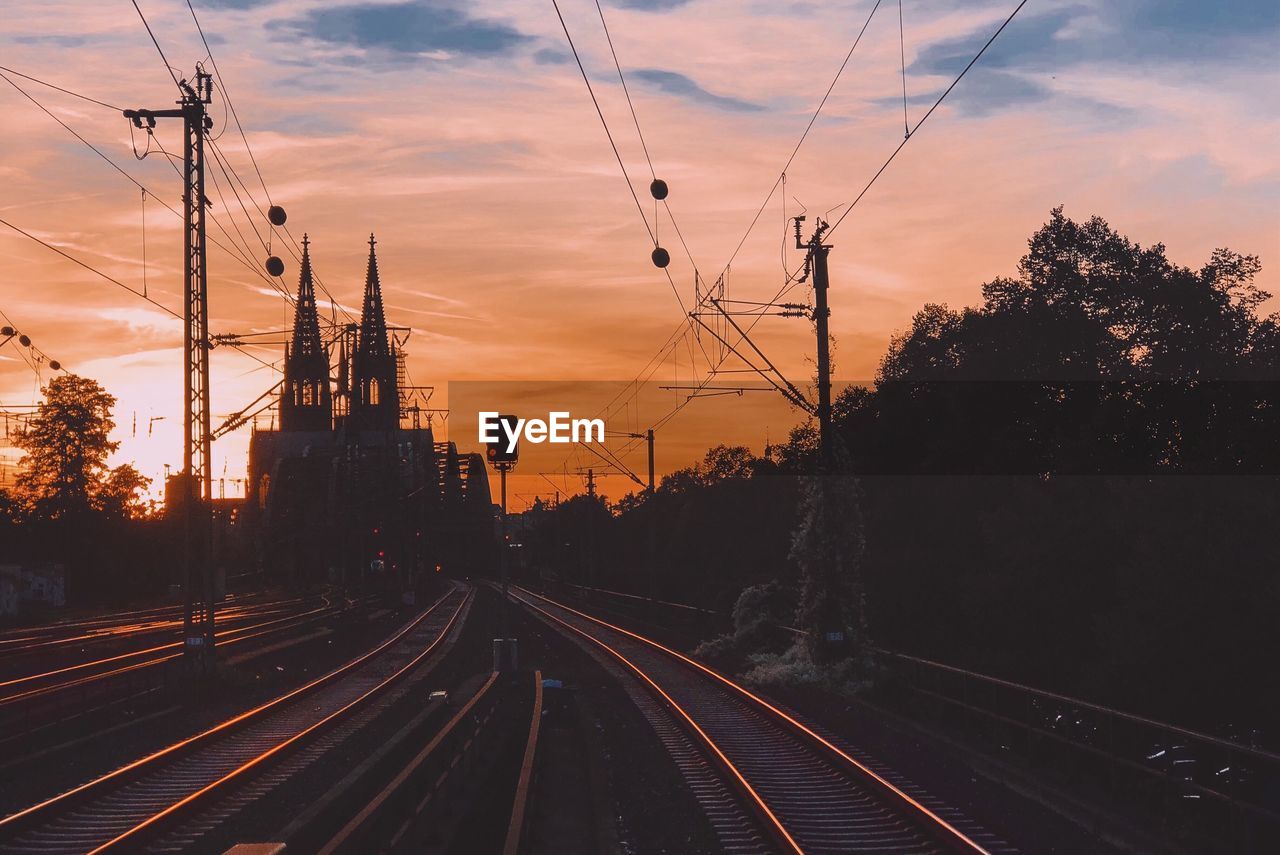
column 648, row 435
column 816, row 263
column 197, row 474
column 502, row 455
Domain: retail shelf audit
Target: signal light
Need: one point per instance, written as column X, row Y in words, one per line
column 501, row 452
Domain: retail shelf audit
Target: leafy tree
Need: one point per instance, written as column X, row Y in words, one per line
column 67, row 443
column 827, row 547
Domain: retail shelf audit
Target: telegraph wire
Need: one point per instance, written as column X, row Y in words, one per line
column 626, row 177
column 639, row 133
column 59, row 88
column 812, row 120
column 902, row 53
column 792, row 280
column 222, row 84
column 607, row 132
column 155, row 42
column 118, row 168
column 926, row 116
column 91, row 268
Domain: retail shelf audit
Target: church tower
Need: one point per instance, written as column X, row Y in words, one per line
column 375, row 398
column 305, row 401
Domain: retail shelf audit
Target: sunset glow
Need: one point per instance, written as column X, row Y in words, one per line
column 463, row 136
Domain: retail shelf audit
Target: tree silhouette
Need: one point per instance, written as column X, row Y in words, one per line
column 67, row 443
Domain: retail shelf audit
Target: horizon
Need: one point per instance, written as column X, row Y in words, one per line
column 512, row 249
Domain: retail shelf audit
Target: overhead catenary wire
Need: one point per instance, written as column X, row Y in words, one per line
column 725, row 353
column 90, row 268
column 793, row 280
column 59, row 88
column 803, row 136
column 644, row 146
column 226, row 95
column 600, row 112
column 621, row 165
column 156, row 42
column 18, row 346
column 169, row 67
column 242, row 254
column 253, row 267
column 902, row 53
column 295, row 249
column 912, row 132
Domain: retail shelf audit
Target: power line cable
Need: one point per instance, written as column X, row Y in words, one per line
column 792, row 280
column 607, row 132
column 91, row 268
column 626, row 177
column 155, row 42
column 639, row 133
column 60, row 89
column 926, row 116
column 118, row 168
column 804, row 135
column 226, row 95
column 902, row 52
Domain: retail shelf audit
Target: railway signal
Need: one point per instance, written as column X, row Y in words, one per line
column 502, row 455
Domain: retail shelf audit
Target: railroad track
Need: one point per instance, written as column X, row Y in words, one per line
column 30, row 685
column 164, row 792
column 805, row 792
column 50, row 700
column 113, row 626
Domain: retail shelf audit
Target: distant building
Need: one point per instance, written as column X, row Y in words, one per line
column 342, row 490
column 24, row 587
column 8, row 597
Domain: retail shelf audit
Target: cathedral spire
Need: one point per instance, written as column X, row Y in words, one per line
column 306, row 319
column 306, row 402
column 373, row 320
column 375, row 402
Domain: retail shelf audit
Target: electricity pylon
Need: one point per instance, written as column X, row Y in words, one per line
column 197, row 472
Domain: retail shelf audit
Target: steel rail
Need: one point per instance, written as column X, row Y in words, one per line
column 931, row 821
column 231, row 636
column 156, row 760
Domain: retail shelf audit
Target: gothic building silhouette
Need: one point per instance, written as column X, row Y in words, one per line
column 342, row 491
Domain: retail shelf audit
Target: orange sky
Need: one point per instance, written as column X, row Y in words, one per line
column 463, row 135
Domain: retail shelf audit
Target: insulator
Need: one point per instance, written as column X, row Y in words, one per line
column 275, row 266
column 661, row 258
column 24, row 340
column 659, row 189
column 276, row 215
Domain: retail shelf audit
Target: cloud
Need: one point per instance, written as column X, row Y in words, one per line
column 405, row 30
column 60, row 41
column 549, row 56
column 1116, row 34
column 235, row 4
column 650, row 5
column 677, row 84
